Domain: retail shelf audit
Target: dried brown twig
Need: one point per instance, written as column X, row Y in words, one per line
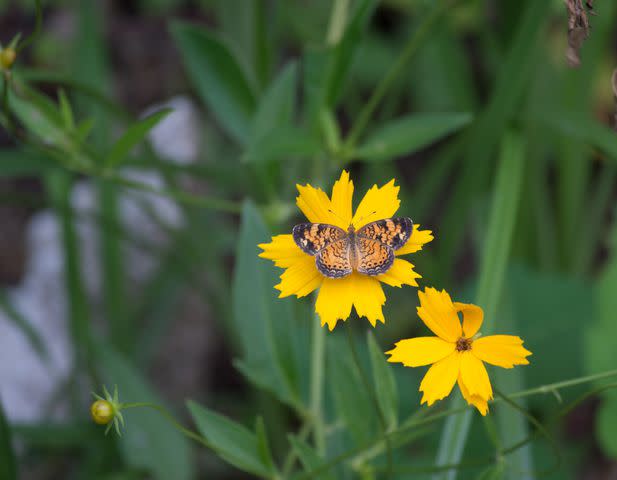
column 578, row 28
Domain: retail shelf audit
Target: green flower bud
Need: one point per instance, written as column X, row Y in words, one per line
column 7, row 58
column 102, row 412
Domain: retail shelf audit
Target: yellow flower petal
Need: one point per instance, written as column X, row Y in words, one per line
column 418, row 239
column 335, row 300
column 480, row 403
column 440, row 378
column 416, row 352
column 474, row 376
column 283, row 251
column 368, row 297
column 300, row 279
column 438, row 313
column 401, row 273
column 342, row 196
column 473, row 316
column 316, row 206
column 501, row 350
column 378, row 203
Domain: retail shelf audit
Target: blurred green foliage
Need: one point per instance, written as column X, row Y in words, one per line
column 500, row 149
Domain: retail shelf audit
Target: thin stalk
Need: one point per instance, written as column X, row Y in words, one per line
column 170, row 418
column 407, row 425
column 338, row 19
column 551, row 387
column 318, row 359
column 38, row 22
column 371, row 392
column 290, row 459
column 413, row 45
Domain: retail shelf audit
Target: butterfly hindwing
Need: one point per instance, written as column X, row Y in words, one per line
column 394, row 232
column 373, row 256
column 313, row 237
column 334, row 260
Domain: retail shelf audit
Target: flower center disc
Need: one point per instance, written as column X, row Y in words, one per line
column 463, row 344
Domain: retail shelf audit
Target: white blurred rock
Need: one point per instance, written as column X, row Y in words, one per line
column 28, row 382
column 176, row 137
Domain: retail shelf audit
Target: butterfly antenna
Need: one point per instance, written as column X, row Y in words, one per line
column 367, row 216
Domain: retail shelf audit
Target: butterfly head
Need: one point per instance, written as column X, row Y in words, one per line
column 352, row 228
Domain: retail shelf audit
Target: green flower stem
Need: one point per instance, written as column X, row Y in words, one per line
column 552, row 387
column 413, row 45
column 169, row 417
column 290, row 459
column 37, row 27
column 318, row 360
column 338, row 19
column 415, row 423
column 371, row 392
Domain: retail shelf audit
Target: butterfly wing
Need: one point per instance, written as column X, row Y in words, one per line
column 334, row 261
column 314, row 237
column 372, row 256
column 393, row 232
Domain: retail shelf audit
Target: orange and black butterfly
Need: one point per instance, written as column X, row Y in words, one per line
column 370, row 250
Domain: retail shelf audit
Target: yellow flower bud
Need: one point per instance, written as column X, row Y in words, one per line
column 7, row 57
column 102, row 412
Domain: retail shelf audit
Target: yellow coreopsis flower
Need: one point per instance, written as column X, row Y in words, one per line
column 337, row 295
column 456, row 354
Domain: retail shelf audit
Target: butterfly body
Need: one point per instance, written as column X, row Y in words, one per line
column 368, row 250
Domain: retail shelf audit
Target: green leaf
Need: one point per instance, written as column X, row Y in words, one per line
column 66, row 110
column 266, row 326
column 385, row 384
column 532, row 300
column 352, row 401
column 232, row 441
column 409, row 134
column 276, row 107
column 132, row 136
column 149, row 441
column 218, row 78
column 606, row 423
column 263, row 446
column 343, row 53
column 8, row 465
column 590, row 131
column 309, row 457
column 41, row 117
column 282, row 143
column 21, row 162
column 326, row 69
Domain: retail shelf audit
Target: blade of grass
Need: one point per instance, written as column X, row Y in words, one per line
column 8, row 465
column 506, row 193
column 505, row 102
column 594, row 220
column 414, row 43
column 59, row 187
column 114, row 279
column 574, row 165
column 24, row 325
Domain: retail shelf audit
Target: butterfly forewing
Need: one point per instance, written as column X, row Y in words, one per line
column 370, row 250
column 314, row 237
column 334, row 261
column 394, row 232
